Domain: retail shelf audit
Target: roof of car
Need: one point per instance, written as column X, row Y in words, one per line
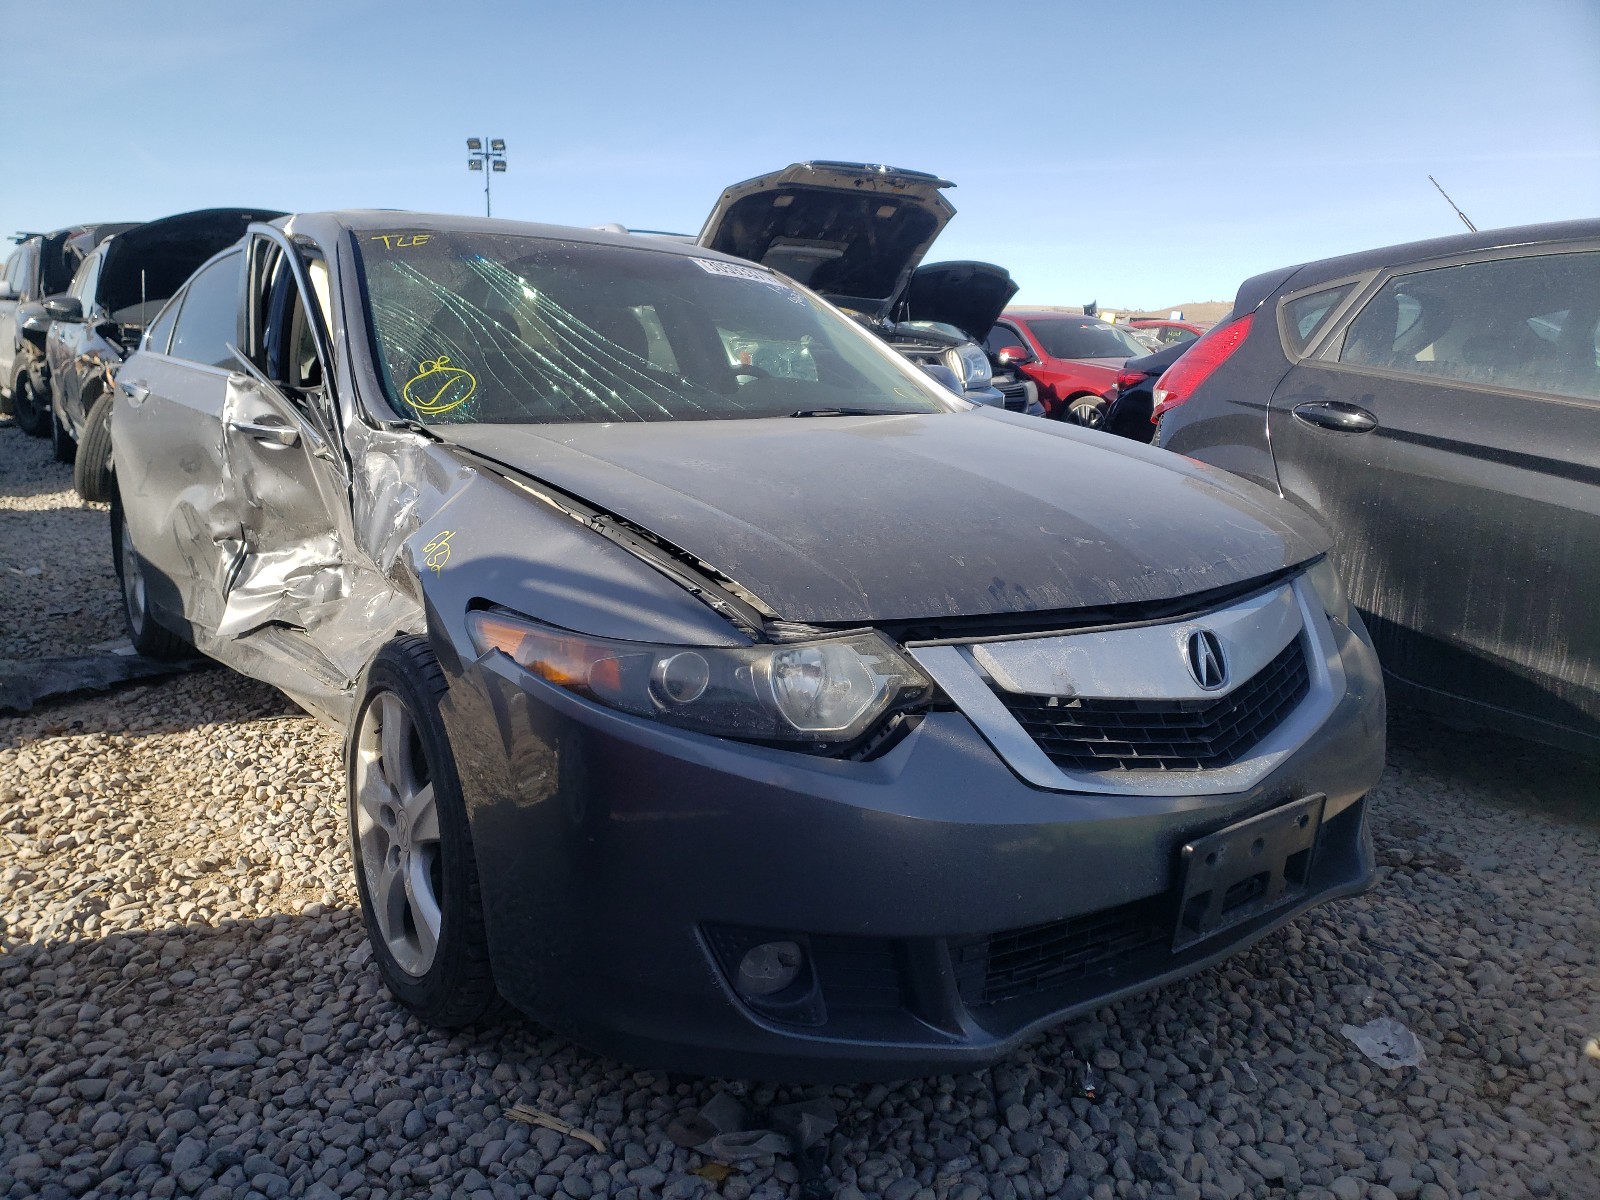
column 1448, row 247
column 399, row 220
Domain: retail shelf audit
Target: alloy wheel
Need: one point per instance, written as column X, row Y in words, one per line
column 133, row 589
column 1091, row 414
column 397, row 830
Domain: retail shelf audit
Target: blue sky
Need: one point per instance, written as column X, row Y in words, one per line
column 1138, row 154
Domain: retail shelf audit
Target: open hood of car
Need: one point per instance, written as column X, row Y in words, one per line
column 843, row 520
column 148, row 263
column 968, row 295
column 850, row 231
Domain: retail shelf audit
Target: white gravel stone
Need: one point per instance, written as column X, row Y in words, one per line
column 189, row 1007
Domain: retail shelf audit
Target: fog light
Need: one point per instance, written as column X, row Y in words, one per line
column 769, row 968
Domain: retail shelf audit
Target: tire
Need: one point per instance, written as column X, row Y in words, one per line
column 30, row 413
column 1087, row 411
column 61, row 443
column 148, row 638
column 415, row 870
column 91, row 467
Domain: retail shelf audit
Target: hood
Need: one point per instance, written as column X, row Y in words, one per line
column 61, row 253
column 852, row 520
column 150, row 262
column 850, row 231
column 968, row 295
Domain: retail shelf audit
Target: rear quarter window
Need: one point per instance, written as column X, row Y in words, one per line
column 1304, row 316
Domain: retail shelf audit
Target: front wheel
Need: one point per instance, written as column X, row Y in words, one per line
column 1088, row 411
column 415, row 869
column 91, row 466
column 30, row 411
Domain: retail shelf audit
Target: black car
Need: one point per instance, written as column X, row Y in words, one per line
column 117, row 290
column 1438, row 405
column 723, row 714
column 1130, row 414
column 42, row 265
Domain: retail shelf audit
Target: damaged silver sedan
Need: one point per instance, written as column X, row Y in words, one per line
column 708, row 698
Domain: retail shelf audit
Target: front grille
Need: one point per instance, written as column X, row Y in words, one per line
column 1016, row 394
column 1164, row 735
column 1059, row 954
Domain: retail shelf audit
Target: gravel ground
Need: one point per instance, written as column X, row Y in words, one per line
column 190, row 1009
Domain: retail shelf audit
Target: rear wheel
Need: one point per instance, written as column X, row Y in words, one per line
column 31, row 412
column 415, row 869
column 91, row 467
column 148, row 638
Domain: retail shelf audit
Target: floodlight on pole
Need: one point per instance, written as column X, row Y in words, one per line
column 488, row 161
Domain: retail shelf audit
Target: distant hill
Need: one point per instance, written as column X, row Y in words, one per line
column 1205, row 311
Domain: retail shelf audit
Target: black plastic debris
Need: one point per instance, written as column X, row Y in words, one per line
column 27, row 682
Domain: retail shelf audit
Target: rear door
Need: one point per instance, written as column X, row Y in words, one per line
column 19, row 274
column 1447, row 428
column 166, row 434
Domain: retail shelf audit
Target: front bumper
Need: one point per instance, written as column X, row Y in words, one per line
column 622, row 863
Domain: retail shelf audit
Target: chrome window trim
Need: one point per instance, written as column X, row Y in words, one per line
column 953, row 669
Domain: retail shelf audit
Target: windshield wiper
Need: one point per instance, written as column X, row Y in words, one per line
column 854, row 412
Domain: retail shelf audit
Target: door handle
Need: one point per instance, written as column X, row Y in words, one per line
column 1334, row 414
column 136, row 393
column 270, row 431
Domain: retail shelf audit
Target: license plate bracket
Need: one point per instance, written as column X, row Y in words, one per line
column 1249, row 868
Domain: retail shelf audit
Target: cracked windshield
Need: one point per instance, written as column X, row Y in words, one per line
column 483, row 328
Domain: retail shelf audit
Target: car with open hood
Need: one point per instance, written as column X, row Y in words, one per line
column 42, row 265
column 722, row 715
column 117, row 290
column 856, row 234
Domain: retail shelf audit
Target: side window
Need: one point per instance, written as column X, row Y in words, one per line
column 82, row 285
column 1002, row 336
column 1304, row 315
column 1525, row 324
column 13, row 268
column 208, row 320
column 160, row 334
column 290, row 340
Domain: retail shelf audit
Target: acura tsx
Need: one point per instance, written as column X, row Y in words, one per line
column 709, row 696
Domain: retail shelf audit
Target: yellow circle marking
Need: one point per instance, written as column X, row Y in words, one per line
column 437, row 387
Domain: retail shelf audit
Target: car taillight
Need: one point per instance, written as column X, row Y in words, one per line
column 1209, row 351
column 1126, row 379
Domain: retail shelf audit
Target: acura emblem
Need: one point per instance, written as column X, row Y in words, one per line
column 1206, row 664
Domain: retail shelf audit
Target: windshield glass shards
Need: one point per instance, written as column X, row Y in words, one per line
column 478, row 327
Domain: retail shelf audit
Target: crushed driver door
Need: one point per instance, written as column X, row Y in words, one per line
column 285, row 470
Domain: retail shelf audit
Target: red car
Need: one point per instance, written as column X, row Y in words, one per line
column 1074, row 360
column 1169, row 332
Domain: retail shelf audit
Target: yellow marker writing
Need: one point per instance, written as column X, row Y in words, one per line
column 437, row 552
column 438, row 387
column 401, row 241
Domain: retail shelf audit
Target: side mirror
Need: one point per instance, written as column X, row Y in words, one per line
column 31, row 318
column 1013, row 354
column 63, row 308
column 7, row 292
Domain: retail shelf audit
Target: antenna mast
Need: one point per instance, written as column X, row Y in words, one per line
column 1452, row 204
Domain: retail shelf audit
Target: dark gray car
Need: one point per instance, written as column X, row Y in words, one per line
column 706, row 698
column 1438, row 405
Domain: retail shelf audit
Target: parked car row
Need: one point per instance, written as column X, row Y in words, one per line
column 75, row 303
column 665, row 602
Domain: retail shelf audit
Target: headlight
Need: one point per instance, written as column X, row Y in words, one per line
column 1325, row 581
column 830, row 691
column 971, row 365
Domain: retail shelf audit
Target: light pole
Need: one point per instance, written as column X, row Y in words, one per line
column 488, row 161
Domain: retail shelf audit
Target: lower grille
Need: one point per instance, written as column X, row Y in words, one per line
column 1164, row 735
column 1059, row 954
column 858, row 974
column 1016, row 395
